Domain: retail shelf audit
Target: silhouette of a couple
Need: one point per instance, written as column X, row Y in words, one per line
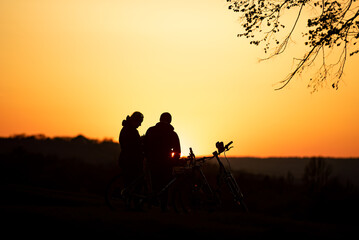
column 160, row 149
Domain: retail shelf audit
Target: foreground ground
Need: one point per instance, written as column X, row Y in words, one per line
column 43, row 213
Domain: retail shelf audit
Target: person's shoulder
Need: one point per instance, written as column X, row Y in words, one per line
column 124, row 129
column 150, row 129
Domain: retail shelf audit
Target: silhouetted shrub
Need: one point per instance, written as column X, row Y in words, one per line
column 316, row 174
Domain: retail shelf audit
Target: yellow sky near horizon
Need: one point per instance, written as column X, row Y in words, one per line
column 80, row 67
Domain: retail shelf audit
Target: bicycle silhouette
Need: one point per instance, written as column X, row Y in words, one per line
column 192, row 190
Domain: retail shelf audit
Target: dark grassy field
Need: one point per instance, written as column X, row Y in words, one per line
column 55, row 188
column 36, row 212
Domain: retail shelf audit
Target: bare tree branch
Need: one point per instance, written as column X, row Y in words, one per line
column 335, row 27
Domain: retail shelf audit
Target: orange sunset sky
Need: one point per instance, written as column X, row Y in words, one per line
column 70, row 67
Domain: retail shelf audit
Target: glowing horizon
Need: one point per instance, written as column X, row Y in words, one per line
column 80, row 67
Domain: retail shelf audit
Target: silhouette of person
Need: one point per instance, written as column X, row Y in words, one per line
column 162, row 149
column 132, row 154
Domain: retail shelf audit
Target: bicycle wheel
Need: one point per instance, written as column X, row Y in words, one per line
column 236, row 192
column 202, row 195
column 179, row 195
column 115, row 193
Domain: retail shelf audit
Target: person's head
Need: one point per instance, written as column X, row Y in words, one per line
column 166, row 117
column 136, row 119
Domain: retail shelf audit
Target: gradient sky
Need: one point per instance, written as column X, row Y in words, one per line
column 70, row 67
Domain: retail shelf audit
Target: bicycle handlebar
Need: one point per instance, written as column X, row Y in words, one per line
column 220, row 146
column 228, row 144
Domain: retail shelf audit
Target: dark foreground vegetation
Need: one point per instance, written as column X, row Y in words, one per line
column 56, row 185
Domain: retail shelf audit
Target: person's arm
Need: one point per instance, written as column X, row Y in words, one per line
column 176, row 145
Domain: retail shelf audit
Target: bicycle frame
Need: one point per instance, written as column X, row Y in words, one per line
column 194, row 168
column 196, row 165
column 224, row 173
column 228, row 177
